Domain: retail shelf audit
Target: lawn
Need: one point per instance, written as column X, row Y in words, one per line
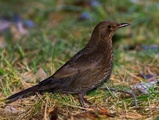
column 60, row 30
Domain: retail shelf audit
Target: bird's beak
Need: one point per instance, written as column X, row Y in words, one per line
column 120, row 25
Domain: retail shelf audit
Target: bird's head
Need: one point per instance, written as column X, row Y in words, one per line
column 108, row 28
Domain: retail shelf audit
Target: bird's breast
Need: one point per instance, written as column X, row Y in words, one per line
column 104, row 68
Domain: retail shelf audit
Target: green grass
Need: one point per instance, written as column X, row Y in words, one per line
column 58, row 35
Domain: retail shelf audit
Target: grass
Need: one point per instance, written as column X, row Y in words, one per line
column 58, row 35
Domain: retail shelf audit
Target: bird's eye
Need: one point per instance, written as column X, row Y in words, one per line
column 109, row 26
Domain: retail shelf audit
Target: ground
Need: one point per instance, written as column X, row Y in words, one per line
column 61, row 29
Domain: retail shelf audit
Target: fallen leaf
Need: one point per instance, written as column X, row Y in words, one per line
column 53, row 115
column 2, row 42
column 10, row 110
column 4, row 24
column 148, row 77
column 145, row 86
column 106, row 112
column 133, row 116
column 41, row 74
column 93, row 115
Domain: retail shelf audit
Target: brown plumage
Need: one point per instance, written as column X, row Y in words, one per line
column 85, row 71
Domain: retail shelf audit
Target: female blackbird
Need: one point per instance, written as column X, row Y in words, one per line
column 85, row 71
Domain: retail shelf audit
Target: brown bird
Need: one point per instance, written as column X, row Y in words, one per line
column 85, row 71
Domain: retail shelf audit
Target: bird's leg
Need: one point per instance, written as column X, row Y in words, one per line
column 82, row 99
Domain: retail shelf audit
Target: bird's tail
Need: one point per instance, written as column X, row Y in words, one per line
column 22, row 94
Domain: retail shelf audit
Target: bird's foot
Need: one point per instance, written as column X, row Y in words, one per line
column 86, row 101
column 127, row 92
column 82, row 99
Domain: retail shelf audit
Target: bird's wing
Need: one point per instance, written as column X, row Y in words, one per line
column 74, row 68
column 80, row 64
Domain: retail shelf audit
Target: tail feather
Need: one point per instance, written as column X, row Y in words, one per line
column 22, row 94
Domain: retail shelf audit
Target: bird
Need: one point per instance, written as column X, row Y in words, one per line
column 90, row 68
